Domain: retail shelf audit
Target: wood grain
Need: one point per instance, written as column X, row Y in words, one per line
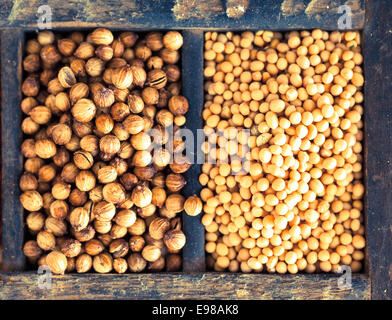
column 184, row 286
column 192, row 80
column 378, row 145
column 184, row 14
column 12, row 214
column 1, row 222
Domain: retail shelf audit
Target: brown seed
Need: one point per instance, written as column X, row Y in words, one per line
column 103, row 263
column 193, row 205
column 117, row 232
column 136, row 243
column 66, row 46
column 61, row 134
column 28, row 104
column 156, row 78
column 107, row 174
column 120, row 265
column 28, row 148
column 173, row 72
column 83, row 159
column 128, row 38
column 102, row 36
column 77, row 92
column 61, row 157
column 158, row 227
column 120, row 165
column 31, row 86
column 31, row 200
column 104, row 52
column 45, row 148
column 61, row 190
column 84, row 51
column 155, row 62
column 142, row 52
column 85, row 180
column 154, row 40
column 59, row 209
column 139, row 76
column 103, row 97
column 90, row 143
column 32, row 250
column 45, row 37
column 147, row 211
column 104, row 123
column 46, row 240
column 56, row 226
column 35, row 221
column 175, row 203
column 178, row 105
column 66, row 77
column 151, row 253
column 173, row 40
column 158, row 196
column 77, row 198
column 135, row 104
column 141, row 195
column 165, row 118
column 109, row 144
column 125, row 218
column 141, row 141
column 104, row 211
column 94, row 67
column 79, row 218
column 119, row 111
column 57, row 262
column 78, row 67
column 69, row 173
column 31, row 63
column 133, row 124
column 150, row 95
column 84, row 110
column 119, row 248
column 71, row 248
column 175, row 182
column 180, row 164
column 122, row 77
column 61, row 102
column 82, row 129
column 169, row 56
column 173, row 262
column 83, row 263
column 157, row 265
column 28, row 182
column 85, row 235
column 142, row 158
column 94, row 247
column 136, row 263
column 118, row 48
column 49, row 55
column 145, row 173
column 113, row 192
column 174, row 240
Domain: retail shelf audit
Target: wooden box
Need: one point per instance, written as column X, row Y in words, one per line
column 192, row 18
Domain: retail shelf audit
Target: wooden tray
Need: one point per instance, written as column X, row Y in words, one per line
column 192, row 18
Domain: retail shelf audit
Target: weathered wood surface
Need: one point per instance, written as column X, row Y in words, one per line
column 192, row 81
column 1, row 225
column 183, row 286
column 378, row 149
column 11, row 166
column 180, row 14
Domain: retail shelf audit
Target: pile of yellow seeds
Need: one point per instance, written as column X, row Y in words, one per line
column 295, row 203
